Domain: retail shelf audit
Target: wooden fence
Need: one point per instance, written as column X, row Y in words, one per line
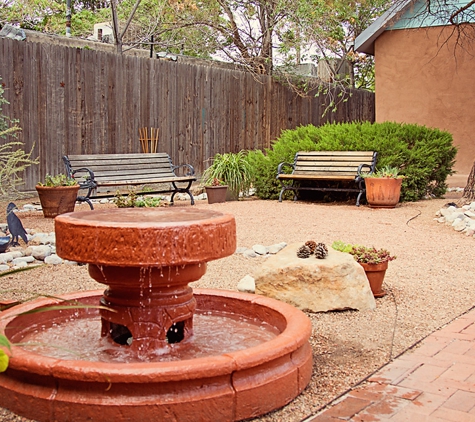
column 81, row 101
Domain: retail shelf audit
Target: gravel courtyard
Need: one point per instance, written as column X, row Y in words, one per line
column 429, row 284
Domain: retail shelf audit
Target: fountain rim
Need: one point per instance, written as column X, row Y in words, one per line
column 74, row 218
column 296, row 333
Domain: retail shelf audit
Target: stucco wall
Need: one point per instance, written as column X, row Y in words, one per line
column 419, row 79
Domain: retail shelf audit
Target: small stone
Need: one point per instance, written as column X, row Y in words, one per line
column 247, row 284
column 460, row 226
column 447, row 211
column 53, row 260
column 29, row 207
column 440, row 220
column 6, row 257
column 104, row 201
column 249, row 253
column 20, row 264
column 259, row 249
column 273, row 249
column 4, row 267
column 240, row 250
column 452, row 217
column 40, row 252
column 201, row 197
column 68, row 262
column 469, row 214
column 26, row 259
column 17, row 252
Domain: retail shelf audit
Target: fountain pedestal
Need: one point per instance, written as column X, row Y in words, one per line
column 147, row 308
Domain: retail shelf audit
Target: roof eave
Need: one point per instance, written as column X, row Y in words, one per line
column 364, row 43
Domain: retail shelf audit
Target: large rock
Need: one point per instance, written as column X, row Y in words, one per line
column 317, row 285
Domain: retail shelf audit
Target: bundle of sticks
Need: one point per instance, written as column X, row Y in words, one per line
column 149, row 143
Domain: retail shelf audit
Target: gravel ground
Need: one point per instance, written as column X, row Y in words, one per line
column 430, row 283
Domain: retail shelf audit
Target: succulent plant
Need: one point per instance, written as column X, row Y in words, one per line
column 364, row 254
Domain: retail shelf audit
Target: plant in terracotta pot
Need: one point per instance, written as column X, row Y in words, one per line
column 57, row 194
column 216, row 191
column 231, row 169
column 383, row 187
column 374, row 262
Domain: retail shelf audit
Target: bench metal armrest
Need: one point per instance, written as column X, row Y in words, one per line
column 364, row 170
column 189, row 167
column 281, row 166
column 89, row 181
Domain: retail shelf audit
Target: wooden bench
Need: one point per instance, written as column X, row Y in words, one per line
column 327, row 166
column 108, row 170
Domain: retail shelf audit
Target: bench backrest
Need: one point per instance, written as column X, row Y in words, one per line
column 117, row 167
column 332, row 163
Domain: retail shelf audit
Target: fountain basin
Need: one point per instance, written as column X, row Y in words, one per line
column 227, row 387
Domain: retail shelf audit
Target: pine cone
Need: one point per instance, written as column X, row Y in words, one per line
column 321, row 251
column 311, row 244
column 304, row 252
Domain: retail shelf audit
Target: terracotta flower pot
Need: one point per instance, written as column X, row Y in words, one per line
column 216, row 194
column 383, row 192
column 57, row 200
column 375, row 274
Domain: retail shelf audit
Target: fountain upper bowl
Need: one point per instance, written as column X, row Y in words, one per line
column 145, row 237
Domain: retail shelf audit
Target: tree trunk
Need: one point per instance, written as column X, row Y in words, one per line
column 469, row 190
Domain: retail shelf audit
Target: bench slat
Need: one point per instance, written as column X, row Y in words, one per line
column 322, row 169
column 100, row 177
column 317, row 177
column 111, row 171
column 111, row 163
column 145, row 181
column 368, row 154
column 131, row 156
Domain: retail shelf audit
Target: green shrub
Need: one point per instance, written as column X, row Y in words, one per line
column 424, row 156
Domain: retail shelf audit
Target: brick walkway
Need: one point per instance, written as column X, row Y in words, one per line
column 433, row 382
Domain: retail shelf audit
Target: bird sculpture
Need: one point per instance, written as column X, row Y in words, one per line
column 15, row 227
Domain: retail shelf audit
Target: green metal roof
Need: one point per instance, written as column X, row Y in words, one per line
column 413, row 14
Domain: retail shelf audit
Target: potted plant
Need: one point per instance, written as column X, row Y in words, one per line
column 57, row 194
column 216, row 191
column 231, row 169
column 383, row 187
column 374, row 262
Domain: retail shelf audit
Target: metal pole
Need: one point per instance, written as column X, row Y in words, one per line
column 68, row 18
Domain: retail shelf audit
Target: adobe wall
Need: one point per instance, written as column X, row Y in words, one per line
column 419, row 79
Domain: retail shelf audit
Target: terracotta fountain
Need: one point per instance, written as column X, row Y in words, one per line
column 147, row 257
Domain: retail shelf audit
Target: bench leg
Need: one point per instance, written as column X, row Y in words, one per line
column 358, row 199
column 182, row 190
column 287, row 187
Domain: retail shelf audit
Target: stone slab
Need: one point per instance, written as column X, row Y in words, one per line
column 317, row 285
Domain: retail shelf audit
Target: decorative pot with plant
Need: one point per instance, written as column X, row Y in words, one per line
column 216, row 191
column 383, row 187
column 57, row 194
column 231, row 169
column 374, row 262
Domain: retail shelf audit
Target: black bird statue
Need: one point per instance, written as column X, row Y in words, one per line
column 14, row 225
